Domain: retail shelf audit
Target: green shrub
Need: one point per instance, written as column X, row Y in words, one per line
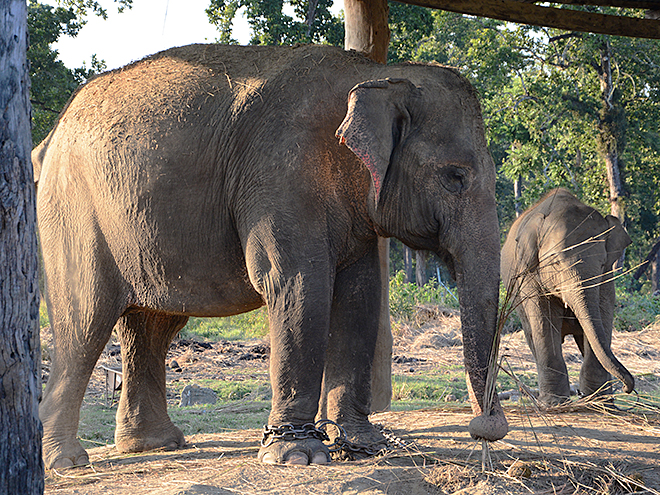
column 635, row 311
column 405, row 296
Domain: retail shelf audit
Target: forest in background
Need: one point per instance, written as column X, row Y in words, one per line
column 561, row 109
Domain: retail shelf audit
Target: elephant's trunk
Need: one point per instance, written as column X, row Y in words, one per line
column 477, row 278
column 585, row 304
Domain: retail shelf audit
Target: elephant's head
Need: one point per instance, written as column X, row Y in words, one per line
column 433, row 187
column 568, row 249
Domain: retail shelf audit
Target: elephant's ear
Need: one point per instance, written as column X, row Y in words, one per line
column 617, row 240
column 376, row 121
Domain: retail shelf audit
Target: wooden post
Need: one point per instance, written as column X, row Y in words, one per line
column 368, row 32
column 21, row 464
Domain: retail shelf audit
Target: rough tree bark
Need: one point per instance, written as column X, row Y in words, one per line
column 21, row 465
column 368, row 32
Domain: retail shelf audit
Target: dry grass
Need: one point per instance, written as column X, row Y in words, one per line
column 581, row 449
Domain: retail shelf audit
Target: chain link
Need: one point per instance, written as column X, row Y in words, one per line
column 340, row 445
column 289, row 432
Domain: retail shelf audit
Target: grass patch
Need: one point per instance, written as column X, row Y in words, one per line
column 239, row 327
column 97, row 421
column 430, row 387
column 229, row 390
column 224, row 415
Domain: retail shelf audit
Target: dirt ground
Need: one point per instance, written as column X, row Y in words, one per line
column 582, row 450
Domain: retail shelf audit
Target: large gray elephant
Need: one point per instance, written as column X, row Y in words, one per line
column 557, row 263
column 210, row 180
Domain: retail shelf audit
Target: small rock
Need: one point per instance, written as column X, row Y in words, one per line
column 519, row 469
column 193, row 395
column 450, row 398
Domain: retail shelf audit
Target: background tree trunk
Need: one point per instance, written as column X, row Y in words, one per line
column 21, row 464
column 517, row 194
column 655, row 275
column 368, row 32
column 611, row 127
column 408, row 264
column 612, row 138
column 420, row 268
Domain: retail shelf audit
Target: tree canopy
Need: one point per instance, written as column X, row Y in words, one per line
column 560, row 108
column 553, row 111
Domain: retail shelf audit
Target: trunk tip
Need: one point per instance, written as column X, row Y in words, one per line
column 489, row 427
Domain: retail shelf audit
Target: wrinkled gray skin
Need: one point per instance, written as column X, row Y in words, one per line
column 557, row 260
column 210, row 180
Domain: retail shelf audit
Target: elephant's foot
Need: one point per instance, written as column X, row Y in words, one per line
column 64, row 455
column 552, row 400
column 168, row 437
column 490, row 427
column 358, row 439
column 295, row 452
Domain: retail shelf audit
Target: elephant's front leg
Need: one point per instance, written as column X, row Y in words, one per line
column 542, row 319
column 142, row 419
column 298, row 294
column 346, row 392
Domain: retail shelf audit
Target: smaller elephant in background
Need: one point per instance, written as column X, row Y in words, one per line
column 557, row 264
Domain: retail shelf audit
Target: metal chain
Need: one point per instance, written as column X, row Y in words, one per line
column 290, row 432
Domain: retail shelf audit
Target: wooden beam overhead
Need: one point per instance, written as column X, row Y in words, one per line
column 571, row 20
column 629, row 4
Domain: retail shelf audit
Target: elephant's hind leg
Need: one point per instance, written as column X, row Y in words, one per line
column 142, row 419
column 79, row 337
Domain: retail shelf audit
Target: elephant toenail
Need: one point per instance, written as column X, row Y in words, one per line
column 269, row 458
column 297, row 459
column 320, row 458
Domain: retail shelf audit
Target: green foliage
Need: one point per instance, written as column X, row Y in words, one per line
column 547, row 120
column 409, row 26
column 312, row 21
column 635, row 311
column 405, row 296
column 52, row 82
column 239, row 327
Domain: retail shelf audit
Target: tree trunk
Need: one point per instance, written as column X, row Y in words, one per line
column 367, row 31
column 420, row 268
column 655, row 275
column 611, row 128
column 611, row 137
column 517, row 193
column 408, row 264
column 21, row 464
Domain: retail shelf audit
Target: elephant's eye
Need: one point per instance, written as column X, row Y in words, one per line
column 454, row 179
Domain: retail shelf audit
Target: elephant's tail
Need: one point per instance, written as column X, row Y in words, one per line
column 38, row 155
